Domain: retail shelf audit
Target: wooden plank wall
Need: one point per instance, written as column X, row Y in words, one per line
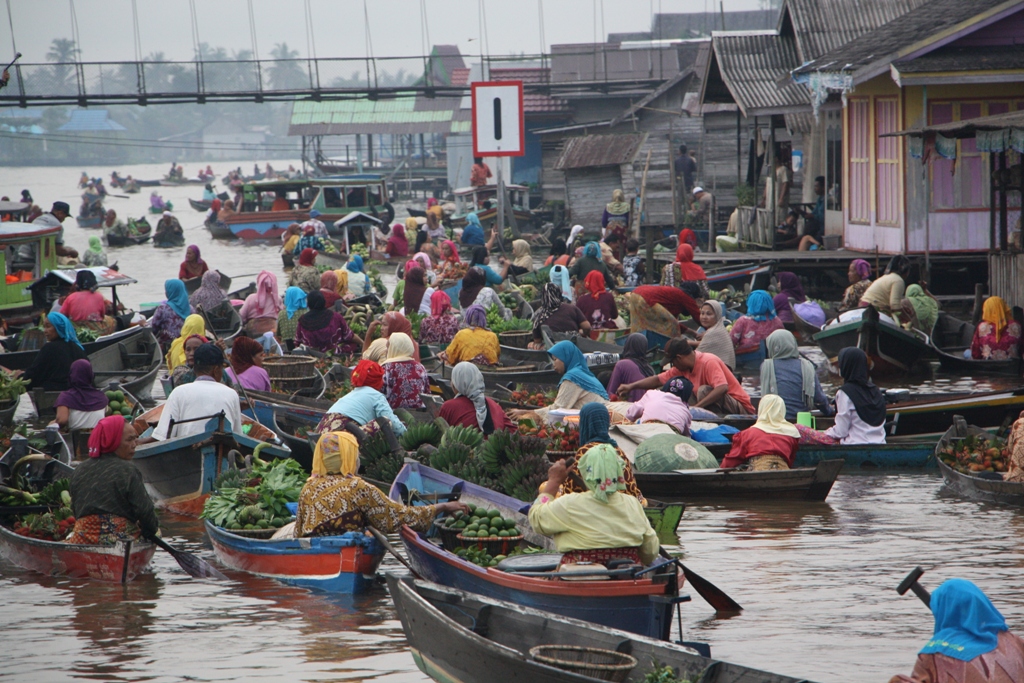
column 588, row 190
column 552, row 181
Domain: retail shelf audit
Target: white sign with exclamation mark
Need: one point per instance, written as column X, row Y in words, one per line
column 498, row 119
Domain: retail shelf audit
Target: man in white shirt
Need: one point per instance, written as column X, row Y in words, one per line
column 204, row 397
column 318, row 225
column 55, row 219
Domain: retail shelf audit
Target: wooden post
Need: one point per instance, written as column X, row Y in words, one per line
column 1004, row 237
column 649, row 276
column 672, row 184
column 979, row 300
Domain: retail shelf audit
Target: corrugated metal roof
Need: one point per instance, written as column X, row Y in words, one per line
column 987, row 58
column 599, row 150
column 820, row 26
column 693, row 24
column 884, row 43
column 968, row 128
column 751, row 64
column 598, row 62
column 90, row 120
column 533, row 103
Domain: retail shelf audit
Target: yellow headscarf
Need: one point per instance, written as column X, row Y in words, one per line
column 400, row 348
column 194, row 324
column 771, row 417
column 336, row 453
column 377, row 351
column 342, row 288
column 521, row 255
column 996, row 312
column 411, row 226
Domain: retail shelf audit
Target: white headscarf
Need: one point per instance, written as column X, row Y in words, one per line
column 576, row 231
column 400, row 348
column 469, row 382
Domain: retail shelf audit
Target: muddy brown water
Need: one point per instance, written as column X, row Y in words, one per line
column 817, row 580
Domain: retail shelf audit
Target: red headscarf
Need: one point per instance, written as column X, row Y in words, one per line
column 440, row 303
column 243, row 353
column 106, row 435
column 396, row 322
column 215, row 205
column 398, row 243
column 307, row 257
column 368, row 374
column 454, row 258
column 595, row 283
column 687, row 236
column 688, row 270
column 309, row 230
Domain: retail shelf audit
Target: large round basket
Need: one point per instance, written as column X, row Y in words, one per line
column 605, row 665
column 518, row 338
column 555, row 456
column 289, row 367
column 449, row 537
column 493, row 545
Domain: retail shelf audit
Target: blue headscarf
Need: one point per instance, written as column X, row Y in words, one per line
column 65, row 330
column 593, row 250
column 354, row 265
column 967, row 624
column 560, row 276
column 473, row 233
column 294, row 299
column 760, row 306
column 177, row 298
column 576, row 370
column 594, row 423
column 475, row 316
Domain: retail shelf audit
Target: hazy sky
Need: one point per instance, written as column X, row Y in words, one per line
column 105, row 26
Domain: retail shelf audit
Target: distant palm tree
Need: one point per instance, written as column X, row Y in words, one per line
column 63, row 53
column 285, row 74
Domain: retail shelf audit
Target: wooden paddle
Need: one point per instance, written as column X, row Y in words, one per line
column 383, row 540
column 910, row 583
column 707, row 590
column 193, row 565
column 213, row 334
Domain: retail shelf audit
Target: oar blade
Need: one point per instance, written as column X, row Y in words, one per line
column 710, row 592
column 197, row 567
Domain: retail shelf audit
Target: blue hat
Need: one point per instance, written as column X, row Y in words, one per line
column 314, row 213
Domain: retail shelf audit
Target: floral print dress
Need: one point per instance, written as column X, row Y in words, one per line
column 404, row 381
column 438, row 329
column 985, row 346
column 335, row 504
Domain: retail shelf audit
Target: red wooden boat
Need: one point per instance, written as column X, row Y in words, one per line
column 100, row 562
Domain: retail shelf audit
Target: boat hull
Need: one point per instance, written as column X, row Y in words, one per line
column 951, row 336
column 987, row 487
column 811, row 484
column 89, row 221
column 906, row 455
column 892, row 350
column 20, row 360
column 337, row 564
column 98, row 562
column 125, row 241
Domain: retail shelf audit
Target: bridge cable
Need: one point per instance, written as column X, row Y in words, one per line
column 252, row 33
column 195, row 31
column 540, row 14
column 10, row 22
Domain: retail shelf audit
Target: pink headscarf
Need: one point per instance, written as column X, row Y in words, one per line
column 424, row 260
column 106, row 436
column 268, row 301
column 440, row 303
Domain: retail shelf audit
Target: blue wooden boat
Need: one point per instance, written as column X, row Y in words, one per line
column 338, row 564
column 900, row 455
column 642, row 605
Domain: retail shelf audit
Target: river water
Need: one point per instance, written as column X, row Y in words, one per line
column 817, row 581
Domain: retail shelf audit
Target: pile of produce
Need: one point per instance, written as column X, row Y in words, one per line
column 663, row 674
column 560, row 438
column 482, row 523
column 87, row 335
column 497, row 324
column 377, row 282
column 729, row 297
column 255, row 497
column 538, row 399
column 48, row 526
column 358, row 317
column 482, row 558
column 972, row 454
column 359, row 249
column 11, row 387
column 117, row 405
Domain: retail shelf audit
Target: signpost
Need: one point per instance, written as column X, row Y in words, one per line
column 498, row 130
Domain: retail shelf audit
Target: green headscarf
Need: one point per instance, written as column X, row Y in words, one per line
column 601, row 469
column 927, row 308
column 95, row 246
column 782, row 344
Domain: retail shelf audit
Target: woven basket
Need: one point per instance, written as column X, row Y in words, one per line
column 493, row 545
column 449, row 537
column 518, row 339
column 555, row 456
column 290, row 368
column 606, row 665
column 525, row 367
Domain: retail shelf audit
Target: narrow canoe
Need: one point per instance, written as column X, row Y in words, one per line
column 126, row 240
column 20, row 360
column 219, row 230
column 459, row 636
column 642, row 605
column 199, row 205
column 984, row 486
column 900, row 455
column 164, row 242
column 338, row 564
column 804, row 483
column 89, row 221
column 192, row 284
column 892, row 349
column 79, row 561
column 951, row 337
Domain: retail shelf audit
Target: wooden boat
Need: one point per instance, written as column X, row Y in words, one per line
column 950, row 337
column 802, row 483
column 219, row 230
column 641, row 605
column 469, row 200
column 192, row 284
column 984, row 486
column 90, row 221
column 286, row 423
column 56, row 558
column 899, row 455
column 664, row 519
column 338, row 564
column 179, row 472
column 803, row 331
column 756, row 275
column 931, row 416
column 459, row 636
column 125, row 240
column 168, row 241
column 203, row 205
column 891, row 349
column 20, row 360
column 226, row 322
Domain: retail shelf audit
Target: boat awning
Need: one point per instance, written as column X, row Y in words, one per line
column 997, row 133
column 14, row 207
column 356, row 218
column 105, row 277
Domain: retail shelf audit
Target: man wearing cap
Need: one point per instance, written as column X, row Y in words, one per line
column 206, row 397
column 702, row 203
column 55, row 219
column 320, row 230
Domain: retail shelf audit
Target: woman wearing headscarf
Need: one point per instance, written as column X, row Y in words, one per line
column 246, row 360
column 335, row 500
column 685, row 270
column 51, row 368
column 108, row 497
column 475, row 343
column 591, row 260
column 441, row 326
column 452, row 267
column 920, row 309
column 997, row 336
column 404, row 377
column 398, row 244
column 768, row 445
column 616, row 212
column 560, row 276
column 558, row 254
column 475, row 291
column 170, row 315
column 434, row 226
column 657, row 308
column 329, row 287
column 261, row 308
column 715, row 339
column 577, row 385
column 558, row 315
column 423, row 260
column 481, row 259
column 85, row 305
column 632, row 366
column 193, row 266
column 753, row 328
column 390, row 323
column 886, row 293
column 305, row 276
column 324, row 329
column 193, row 325
column 595, row 421
column 860, row 406
column 575, row 239
column 363, row 404
column 377, row 351
column 598, row 304
column 184, row 373
column 791, row 292
column 688, row 236
column 82, row 405
column 295, row 306
column 791, row 377
column 859, row 275
column 971, row 642
column 522, row 259
column 599, row 524
column 416, row 297
column 290, row 240
column 209, row 296
column 470, row 407
column 358, row 280
column 473, row 233
column 94, row 256
column 309, row 240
